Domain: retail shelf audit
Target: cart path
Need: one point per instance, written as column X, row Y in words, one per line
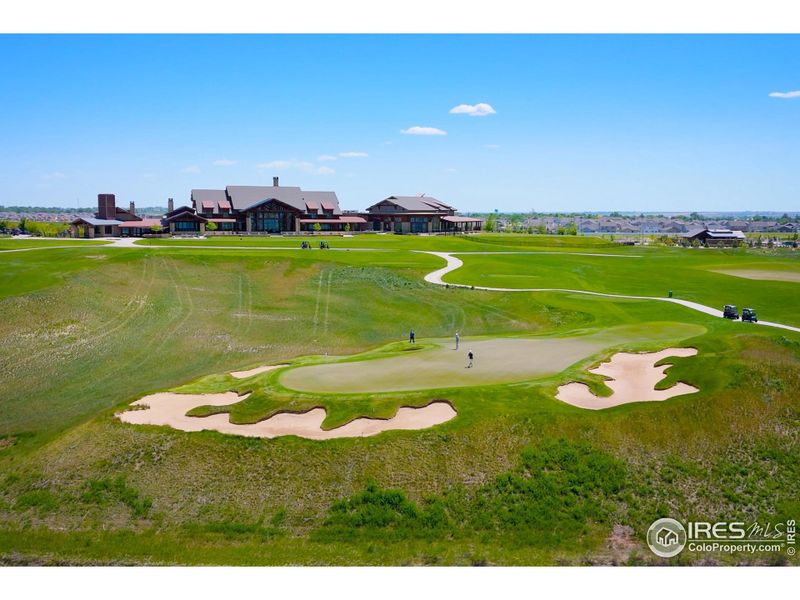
column 454, row 263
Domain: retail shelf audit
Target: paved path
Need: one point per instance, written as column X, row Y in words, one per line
column 454, row 263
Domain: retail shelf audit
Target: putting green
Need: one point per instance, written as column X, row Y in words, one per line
column 497, row 360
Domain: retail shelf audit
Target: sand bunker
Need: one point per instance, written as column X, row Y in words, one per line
column 256, row 371
column 633, row 379
column 167, row 408
column 761, row 274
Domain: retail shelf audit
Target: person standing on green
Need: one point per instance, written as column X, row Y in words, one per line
column 411, row 338
column 458, row 339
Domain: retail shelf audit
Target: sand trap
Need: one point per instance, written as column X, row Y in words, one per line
column 170, row 409
column 761, row 274
column 256, row 371
column 633, row 379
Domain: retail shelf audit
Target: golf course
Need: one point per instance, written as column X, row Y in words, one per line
column 243, row 401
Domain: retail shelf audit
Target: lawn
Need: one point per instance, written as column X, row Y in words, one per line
column 691, row 274
column 516, row 478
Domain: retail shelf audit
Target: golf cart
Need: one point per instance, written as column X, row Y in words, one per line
column 729, row 312
column 749, row 315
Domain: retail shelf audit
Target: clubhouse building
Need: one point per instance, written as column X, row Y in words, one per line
column 274, row 209
column 418, row 214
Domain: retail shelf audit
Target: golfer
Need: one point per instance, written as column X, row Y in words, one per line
column 470, row 357
column 457, row 340
column 411, row 338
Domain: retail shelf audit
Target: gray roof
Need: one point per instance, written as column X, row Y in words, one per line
column 93, row 221
column 322, row 200
column 716, row 233
column 246, row 196
column 215, row 196
column 416, row 203
column 243, row 197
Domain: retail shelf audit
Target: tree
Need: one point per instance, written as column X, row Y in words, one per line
column 491, row 223
column 211, row 226
column 571, row 229
column 317, row 227
column 541, row 229
column 156, row 228
column 347, row 227
column 561, row 230
column 22, row 222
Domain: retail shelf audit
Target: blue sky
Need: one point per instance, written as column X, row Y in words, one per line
column 642, row 123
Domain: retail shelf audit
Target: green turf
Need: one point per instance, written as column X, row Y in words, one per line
column 688, row 273
column 517, row 478
column 16, row 243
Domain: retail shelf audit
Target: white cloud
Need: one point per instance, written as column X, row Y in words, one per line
column 299, row 165
column 473, row 110
column 326, row 157
column 794, row 94
column 190, row 169
column 275, row 164
column 224, row 162
column 53, row 175
column 353, row 154
column 417, row 130
column 493, row 146
column 451, row 170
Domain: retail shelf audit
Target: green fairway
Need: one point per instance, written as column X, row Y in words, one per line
column 688, row 273
column 517, row 477
column 7, row 243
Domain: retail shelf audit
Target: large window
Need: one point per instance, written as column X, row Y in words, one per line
column 272, row 221
column 187, row 226
column 419, row 224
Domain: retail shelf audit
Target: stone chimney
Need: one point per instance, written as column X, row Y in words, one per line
column 170, row 205
column 275, row 181
column 132, row 208
column 106, row 206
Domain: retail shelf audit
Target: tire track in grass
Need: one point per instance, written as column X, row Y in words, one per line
column 327, row 300
column 92, row 338
column 249, row 296
column 141, row 356
column 186, row 306
column 319, row 295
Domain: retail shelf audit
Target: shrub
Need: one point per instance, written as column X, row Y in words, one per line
column 559, row 492
column 99, row 491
